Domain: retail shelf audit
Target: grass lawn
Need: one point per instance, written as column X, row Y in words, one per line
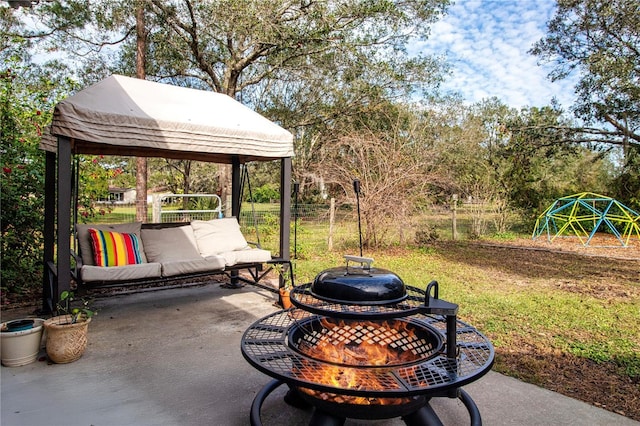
column 567, row 321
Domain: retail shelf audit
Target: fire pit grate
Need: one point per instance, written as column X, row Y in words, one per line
column 357, row 343
column 267, row 345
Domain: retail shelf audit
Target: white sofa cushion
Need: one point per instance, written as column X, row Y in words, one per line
column 91, row 273
column 86, row 250
column 170, row 244
column 248, row 255
column 172, row 268
column 218, row 236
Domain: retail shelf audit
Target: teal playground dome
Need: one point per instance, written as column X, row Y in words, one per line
column 585, row 214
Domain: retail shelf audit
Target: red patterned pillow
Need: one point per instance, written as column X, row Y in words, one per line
column 114, row 248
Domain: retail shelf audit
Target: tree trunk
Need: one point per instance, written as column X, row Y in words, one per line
column 186, row 185
column 225, row 187
column 141, row 162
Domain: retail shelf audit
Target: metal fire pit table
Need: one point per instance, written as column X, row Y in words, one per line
column 458, row 354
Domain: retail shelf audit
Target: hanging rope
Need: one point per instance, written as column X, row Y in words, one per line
column 75, row 185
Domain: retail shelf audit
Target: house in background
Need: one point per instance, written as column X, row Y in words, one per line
column 120, row 196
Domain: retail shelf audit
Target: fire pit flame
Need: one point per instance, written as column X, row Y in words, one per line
column 346, row 345
column 363, row 343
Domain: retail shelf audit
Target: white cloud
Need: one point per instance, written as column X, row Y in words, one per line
column 487, row 42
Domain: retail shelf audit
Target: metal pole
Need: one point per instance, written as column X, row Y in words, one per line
column 285, row 208
column 332, row 218
column 356, row 188
column 452, row 346
column 296, row 189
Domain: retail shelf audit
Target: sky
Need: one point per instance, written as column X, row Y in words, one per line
column 486, row 44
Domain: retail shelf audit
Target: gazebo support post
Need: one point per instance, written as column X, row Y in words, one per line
column 49, row 232
column 235, row 187
column 285, row 208
column 63, row 278
column 235, row 204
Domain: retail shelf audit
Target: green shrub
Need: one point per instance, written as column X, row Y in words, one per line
column 266, row 194
column 427, row 235
column 22, row 214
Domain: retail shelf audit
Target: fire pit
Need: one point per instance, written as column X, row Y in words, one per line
column 361, row 344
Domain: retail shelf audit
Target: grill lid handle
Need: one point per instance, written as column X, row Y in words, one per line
column 434, row 305
column 364, row 261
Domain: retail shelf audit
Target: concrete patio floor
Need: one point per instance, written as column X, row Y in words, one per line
column 172, row 357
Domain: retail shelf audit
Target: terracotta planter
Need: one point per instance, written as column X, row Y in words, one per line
column 21, row 347
column 65, row 342
column 285, row 300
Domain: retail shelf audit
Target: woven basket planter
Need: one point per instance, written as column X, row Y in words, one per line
column 65, row 342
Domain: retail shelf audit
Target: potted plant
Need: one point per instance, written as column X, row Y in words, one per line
column 66, row 333
column 20, row 341
column 285, row 297
column 285, row 284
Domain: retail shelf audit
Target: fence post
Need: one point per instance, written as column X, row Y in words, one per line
column 454, row 224
column 227, row 207
column 332, row 217
column 156, row 209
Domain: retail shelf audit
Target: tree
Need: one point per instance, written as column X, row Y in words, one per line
column 469, row 138
column 601, row 40
column 26, row 97
column 512, row 161
column 22, row 182
column 141, row 60
column 97, row 174
column 234, row 45
column 539, row 169
column 391, row 157
column 319, row 55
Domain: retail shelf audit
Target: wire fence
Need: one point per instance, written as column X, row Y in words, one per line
column 259, row 215
column 265, row 215
column 265, row 219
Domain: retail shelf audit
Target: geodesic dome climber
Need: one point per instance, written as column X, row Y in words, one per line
column 586, row 214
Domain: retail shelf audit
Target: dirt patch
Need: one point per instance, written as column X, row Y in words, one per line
column 609, row 273
column 599, row 384
column 603, row 246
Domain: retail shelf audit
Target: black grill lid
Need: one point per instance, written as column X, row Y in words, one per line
column 362, row 285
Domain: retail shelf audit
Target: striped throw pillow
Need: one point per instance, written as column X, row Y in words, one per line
column 114, row 248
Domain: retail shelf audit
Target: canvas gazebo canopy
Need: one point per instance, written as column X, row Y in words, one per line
column 131, row 117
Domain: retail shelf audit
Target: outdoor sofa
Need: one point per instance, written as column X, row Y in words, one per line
column 163, row 251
